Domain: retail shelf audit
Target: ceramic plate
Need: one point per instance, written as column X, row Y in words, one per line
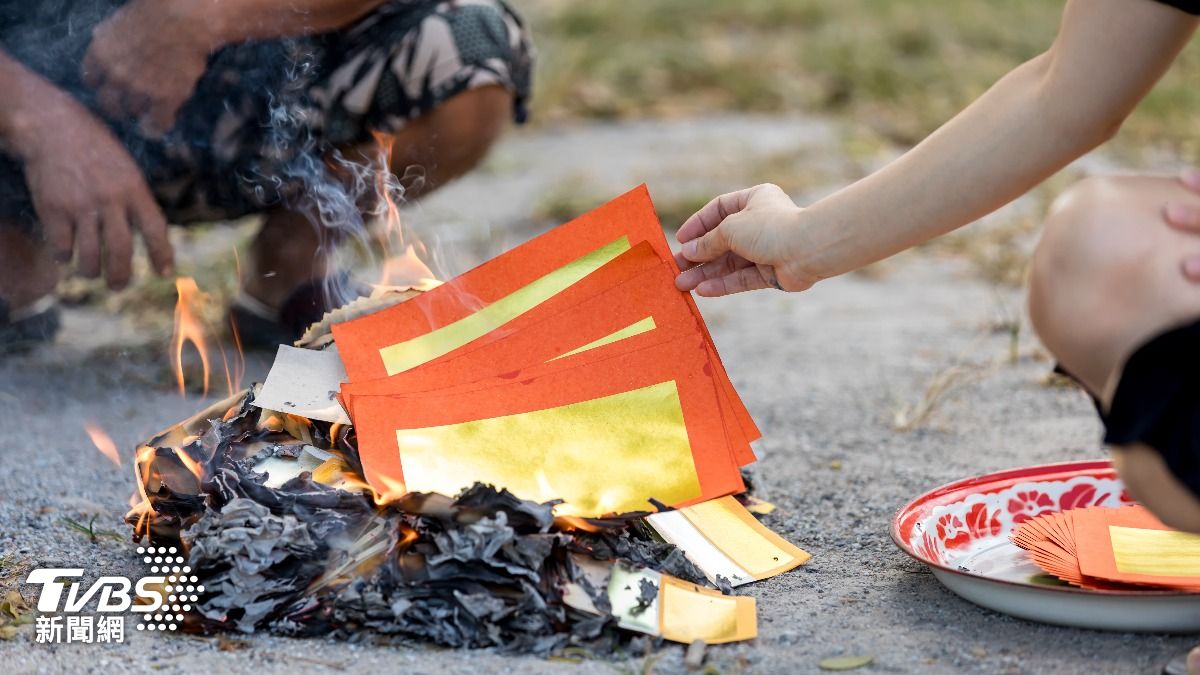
column 961, row 530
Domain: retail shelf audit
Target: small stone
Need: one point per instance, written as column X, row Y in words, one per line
column 693, row 659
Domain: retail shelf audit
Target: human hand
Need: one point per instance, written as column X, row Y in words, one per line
column 88, row 193
column 1186, row 216
column 742, row 241
column 144, row 62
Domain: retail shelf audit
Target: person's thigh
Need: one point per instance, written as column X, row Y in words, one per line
column 436, row 82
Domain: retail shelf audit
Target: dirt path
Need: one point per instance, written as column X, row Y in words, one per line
column 824, row 373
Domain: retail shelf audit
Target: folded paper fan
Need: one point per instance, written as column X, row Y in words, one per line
column 1123, row 548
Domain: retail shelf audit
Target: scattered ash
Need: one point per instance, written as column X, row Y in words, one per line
column 306, row 557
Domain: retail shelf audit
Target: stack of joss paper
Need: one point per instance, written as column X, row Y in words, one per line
column 1102, row 548
column 567, row 368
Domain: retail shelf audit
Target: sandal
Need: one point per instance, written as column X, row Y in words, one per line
column 261, row 326
column 23, row 329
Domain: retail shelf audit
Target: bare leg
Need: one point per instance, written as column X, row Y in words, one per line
column 287, row 252
column 444, row 145
column 1106, row 278
column 28, row 272
column 453, row 139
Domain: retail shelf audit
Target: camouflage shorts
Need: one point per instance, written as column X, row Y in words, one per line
column 253, row 135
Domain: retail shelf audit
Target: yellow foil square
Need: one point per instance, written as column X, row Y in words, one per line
column 1157, row 552
column 606, row 455
column 739, row 535
column 689, row 612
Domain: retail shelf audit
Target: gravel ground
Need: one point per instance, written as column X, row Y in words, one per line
column 823, row 372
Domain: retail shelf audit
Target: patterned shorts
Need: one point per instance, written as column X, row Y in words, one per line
column 254, row 133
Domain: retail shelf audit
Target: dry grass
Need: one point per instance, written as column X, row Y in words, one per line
column 940, row 388
column 895, row 69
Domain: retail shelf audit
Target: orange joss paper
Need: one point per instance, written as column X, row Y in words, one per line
column 644, row 305
column 606, row 435
column 1124, row 548
column 501, row 291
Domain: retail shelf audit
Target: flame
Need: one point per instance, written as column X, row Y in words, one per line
column 190, row 326
column 394, row 490
column 407, row 269
column 407, row 536
column 139, row 502
column 103, row 443
column 190, row 464
column 569, row 523
column 402, row 264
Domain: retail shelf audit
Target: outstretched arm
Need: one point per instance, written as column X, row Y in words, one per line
column 1031, row 123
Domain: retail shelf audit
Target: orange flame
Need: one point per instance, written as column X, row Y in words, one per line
column 407, row 269
column 103, row 442
column 570, row 523
column 394, row 490
column 139, row 502
column 190, row 464
column 190, row 326
column 402, row 265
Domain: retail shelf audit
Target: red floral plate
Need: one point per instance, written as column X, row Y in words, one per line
column 961, row 531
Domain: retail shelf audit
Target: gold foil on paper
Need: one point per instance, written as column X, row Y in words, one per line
column 605, row 455
column 688, row 612
column 739, row 535
column 1156, row 552
column 637, row 328
column 409, row 354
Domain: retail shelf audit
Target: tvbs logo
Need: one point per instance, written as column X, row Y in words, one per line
column 161, row 598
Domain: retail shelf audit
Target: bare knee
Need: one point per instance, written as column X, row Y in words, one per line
column 1152, row 484
column 453, row 138
column 1103, row 279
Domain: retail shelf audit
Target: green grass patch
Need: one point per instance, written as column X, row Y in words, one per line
column 894, row 68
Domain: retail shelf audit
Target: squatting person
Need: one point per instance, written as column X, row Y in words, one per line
column 1114, row 289
column 121, row 116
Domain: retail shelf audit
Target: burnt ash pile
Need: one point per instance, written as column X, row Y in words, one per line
column 317, row 554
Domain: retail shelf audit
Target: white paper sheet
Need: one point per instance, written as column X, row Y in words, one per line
column 303, row 382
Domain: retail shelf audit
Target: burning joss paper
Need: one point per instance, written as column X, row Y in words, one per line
column 593, row 379
column 475, row 463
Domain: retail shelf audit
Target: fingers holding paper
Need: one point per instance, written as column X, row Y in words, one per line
column 742, row 241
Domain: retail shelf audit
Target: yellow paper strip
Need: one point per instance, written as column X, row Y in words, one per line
column 1156, row 552
column 689, row 612
column 578, row 453
column 409, row 354
column 739, row 535
column 637, row 328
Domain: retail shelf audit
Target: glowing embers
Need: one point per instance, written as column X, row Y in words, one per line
column 1125, row 548
column 568, row 368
